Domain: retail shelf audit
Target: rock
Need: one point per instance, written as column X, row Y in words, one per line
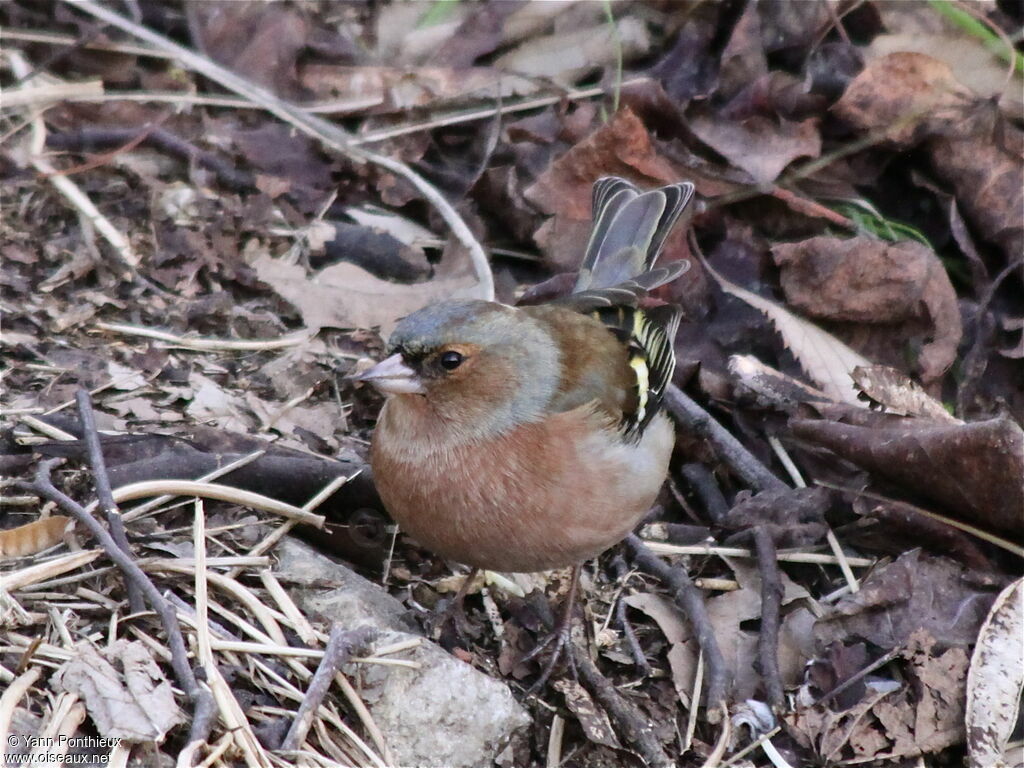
column 444, row 713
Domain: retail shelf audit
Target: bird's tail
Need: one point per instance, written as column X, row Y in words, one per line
column 628, row 233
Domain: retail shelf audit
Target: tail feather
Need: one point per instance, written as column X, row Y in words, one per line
column 629, row 230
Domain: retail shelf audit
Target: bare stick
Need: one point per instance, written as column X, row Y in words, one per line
column 694, row 418
column 771, row 603
column 103, row 493
column 634, row 726
column 339, row 649
column 205, row 710
column 688, row 597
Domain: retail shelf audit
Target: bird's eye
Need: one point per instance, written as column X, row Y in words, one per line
column 451, row 360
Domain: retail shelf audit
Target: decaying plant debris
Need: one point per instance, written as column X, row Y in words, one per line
column 213, row 212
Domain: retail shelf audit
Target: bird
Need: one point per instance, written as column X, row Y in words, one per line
column 523, row 439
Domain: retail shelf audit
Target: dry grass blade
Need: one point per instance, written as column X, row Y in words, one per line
column 220, row 493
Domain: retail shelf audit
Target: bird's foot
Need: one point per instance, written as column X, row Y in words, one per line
column 561, row 641
column 560, row 638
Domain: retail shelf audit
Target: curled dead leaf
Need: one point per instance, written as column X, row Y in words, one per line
column 33, row 537
column 995, row 680
column 863, row 280
column 905, row 95
column 975, row 471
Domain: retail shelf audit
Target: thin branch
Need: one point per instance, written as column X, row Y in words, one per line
column 689, row 599
column 204, row 708
column 339, row 649
column 103, row 493
column 771, row 602
column 632, row 724
column 694, row 418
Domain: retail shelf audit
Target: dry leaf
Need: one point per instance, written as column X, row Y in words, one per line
column 975, row 471
column 593, row 720
column 995, row 681
column 346, row 296
column 761, row 146
column 822, row 356
column 621, row 147
column 898, row 393
column 33, row 537
column 970, row 61
column 681, row 660
column 916, row 591
column 125, row 693
column 863, row 280
column 906, row 95
column 568, row 54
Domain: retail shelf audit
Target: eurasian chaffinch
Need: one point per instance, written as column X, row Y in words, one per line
column 523, row 439
column 530, row 438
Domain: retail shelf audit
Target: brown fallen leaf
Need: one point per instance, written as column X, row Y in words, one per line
column 897, row 393
column 620, row 147
column 592, row 718
column 33, row 537
column 975, row 471
column 970, row 60
column 862, row 280
column 904, row 95
column 261, row 42
column 893, row 719
column 917, row 591
column 986, row 172
column 761, row 146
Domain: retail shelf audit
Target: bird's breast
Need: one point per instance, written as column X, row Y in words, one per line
column 537, row 496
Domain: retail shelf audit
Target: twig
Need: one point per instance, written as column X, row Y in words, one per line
column 554, row 756
column 339, row 648
column 50, row 92
column 688, row 598
column 691, row 716
column 661, row 548
column 207, row 344
column 830, row 537
column 9, row 702
column 771, row 603
column 218, row 492
column 879, row 662
column 322, row 130
column 703, row 484
column 634, row 726
column 694, row 418
column 103, row 493
column 204, row 709
column 84, row 139
column 136, row 512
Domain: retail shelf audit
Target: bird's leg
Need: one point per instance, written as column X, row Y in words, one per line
column 561, row 637
column 455, row 611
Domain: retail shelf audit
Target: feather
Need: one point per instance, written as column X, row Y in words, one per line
column 629, row 230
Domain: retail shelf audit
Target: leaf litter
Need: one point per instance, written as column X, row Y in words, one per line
column 254, row 233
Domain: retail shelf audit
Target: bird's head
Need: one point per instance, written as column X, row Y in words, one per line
column 472, row 362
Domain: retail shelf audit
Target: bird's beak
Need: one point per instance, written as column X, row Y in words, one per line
column 392, row 376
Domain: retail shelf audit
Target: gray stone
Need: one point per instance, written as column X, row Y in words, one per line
column 446, row 713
